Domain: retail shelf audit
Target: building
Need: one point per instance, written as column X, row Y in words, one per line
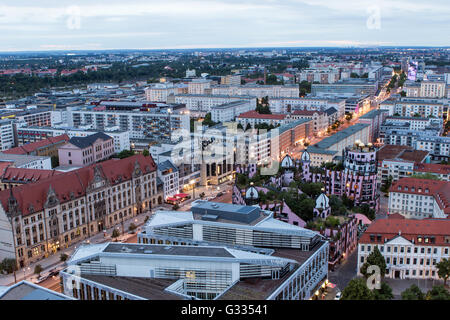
column 198, row 86
column 11, row 177
column 249, row 229
column 84, row 151
column 359, row 87
column 438, row 147
column 7, row 134
column 154, row 123
column 25, row 290
column 375, row 118
column 420, row 198
column 229, row 111
column 26, row 161
column 169, row 175
column 27, row 135
column 441, row 171
column 39, row 219
column 160, row 92
column 429, row 89
column 232, row 79
column 319, row 119
column 411, row 249
column 359, row 178
column 424, row 107
column 45, row 147
column 321, row 75
column 328, row 148
column 254, row 118
column 398, row 162
column 256, row 90
column 204, row 102
column 290, row 104
column 355, row 176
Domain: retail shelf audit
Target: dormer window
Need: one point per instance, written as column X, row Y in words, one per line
column 413, row 189
column 427, row 190
column 406, row 188
column 419, row 239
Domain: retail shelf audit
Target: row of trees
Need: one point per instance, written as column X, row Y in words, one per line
column 357, row 289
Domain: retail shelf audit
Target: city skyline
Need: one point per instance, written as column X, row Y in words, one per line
column 220, row 24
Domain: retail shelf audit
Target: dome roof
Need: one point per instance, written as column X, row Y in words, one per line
column 287, row 162
column 251, row 193
column 305, row 156
column 322, row 201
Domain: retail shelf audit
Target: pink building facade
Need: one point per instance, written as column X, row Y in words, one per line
column 84, row 151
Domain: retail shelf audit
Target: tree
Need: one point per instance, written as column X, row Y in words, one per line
column 202, row 195
column 9, row 265
column 125, row 154
column 63, row 257
column 175, row 207
column 207, row 121
column 132, row 227
column 387, row 184
column 403, row 93
column 146, row 153
column 146, row 219
column 438, row 293
column 115, row 233
column 374, row 258
column 248, row 127
column 413, row 293
column 443, row 268
column 357, row 290
column 384, row 293
column 38, row 269
column 312, row 189
column 55, row 161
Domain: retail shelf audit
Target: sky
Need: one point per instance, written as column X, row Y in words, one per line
column 174, row 24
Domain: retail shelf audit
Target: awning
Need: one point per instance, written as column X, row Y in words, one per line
column 181, row 195
column 171, row 199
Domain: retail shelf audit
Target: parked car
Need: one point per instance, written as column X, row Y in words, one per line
column 219, row 194
column 338, row 295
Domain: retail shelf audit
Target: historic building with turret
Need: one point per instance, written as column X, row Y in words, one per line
column 39, row 219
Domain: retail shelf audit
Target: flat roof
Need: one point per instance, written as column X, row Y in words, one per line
column 261, row 289
column 196, row 251
column 339, row 136
column 148, row 288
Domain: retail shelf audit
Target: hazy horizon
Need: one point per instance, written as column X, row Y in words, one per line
column 215, row 24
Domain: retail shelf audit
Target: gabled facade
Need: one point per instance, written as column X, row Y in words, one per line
column 41, row 218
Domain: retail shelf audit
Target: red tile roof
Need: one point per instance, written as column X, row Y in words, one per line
column 440, row 190
column 432, row 167
column 306, row 112
column 255, row 115
column 409, row 229
column 31, row 147
column 26, row 175
column 74, row 182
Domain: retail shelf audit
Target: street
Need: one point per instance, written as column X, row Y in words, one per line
column 345, row 272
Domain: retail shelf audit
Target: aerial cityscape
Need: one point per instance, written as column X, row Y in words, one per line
column 224, row 164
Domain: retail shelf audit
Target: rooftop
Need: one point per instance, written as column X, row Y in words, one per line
column 32, row 147
column 25, row 290
column 148, row 288
column 255, row 115
column 329, row 142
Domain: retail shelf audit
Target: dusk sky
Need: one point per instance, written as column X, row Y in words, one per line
column 148, row 24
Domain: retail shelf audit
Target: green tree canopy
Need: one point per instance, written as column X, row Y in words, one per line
column 438, row 293
column 384, row 293
column 444, row 269
column 413, row 293
column 357, row 290
column 374, row 258
column 125, row 154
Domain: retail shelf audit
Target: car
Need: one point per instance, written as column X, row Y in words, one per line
column 219, row 194
column 338, row 296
